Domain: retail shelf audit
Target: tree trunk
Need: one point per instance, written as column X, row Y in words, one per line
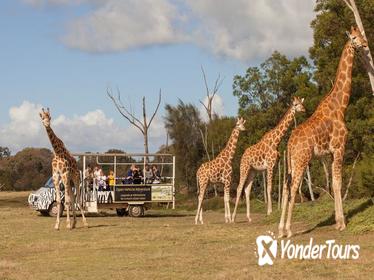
column 327, row 176
column 365, row 53
column 309, row 183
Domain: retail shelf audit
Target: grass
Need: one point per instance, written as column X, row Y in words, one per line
column 167, row 245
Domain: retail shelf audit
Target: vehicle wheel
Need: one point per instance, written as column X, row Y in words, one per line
column 121, row 212
column 136, row 211
column 52, row 210
column 44, row 213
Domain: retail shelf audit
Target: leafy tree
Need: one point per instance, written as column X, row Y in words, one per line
column 332, row 20
column 274, row 81
column 28, row 169
column 183, row 124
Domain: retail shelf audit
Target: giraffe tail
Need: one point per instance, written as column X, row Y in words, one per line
column 197, row 186
column 289, row 174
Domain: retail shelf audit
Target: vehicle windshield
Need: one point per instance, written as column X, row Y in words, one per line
column 49, row 183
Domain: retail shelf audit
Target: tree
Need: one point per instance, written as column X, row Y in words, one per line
column 143, row 125
column 333, row 19
column 365, row 52
column 274, row 81
column 29, row 169
column 183, row 123
column 210, row 94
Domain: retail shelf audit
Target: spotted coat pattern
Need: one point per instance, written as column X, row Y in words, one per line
column 219, row 170
column 323, row 133
column 263, row 156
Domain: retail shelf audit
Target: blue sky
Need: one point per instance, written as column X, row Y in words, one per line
column 63, row 54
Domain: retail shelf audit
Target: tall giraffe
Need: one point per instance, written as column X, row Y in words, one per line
column 323, row 133
column 263, row 156
column 219, row 170
column 64, row 168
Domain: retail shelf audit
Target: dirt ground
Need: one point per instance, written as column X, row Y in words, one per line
column 163, row 245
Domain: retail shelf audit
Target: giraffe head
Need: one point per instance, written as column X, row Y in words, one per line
column 357, row 39
column 240, row 124
column 297, row 104
column 46, row 117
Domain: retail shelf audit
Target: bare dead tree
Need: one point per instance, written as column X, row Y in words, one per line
column 128, row 114
column 365, row 52
column 209, row 110
column 210, row 95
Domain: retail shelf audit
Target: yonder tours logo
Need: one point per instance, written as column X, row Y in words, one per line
column 268, row 250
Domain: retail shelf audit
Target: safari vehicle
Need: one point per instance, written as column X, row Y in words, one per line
column 128, row 199
column 125, row 198
column 44, row 199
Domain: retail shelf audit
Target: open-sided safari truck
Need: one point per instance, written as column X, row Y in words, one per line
column 127, row 198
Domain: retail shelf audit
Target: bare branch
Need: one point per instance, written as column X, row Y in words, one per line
column 351, row 177
column 205, row 82
column 155, row 112
column 348, row 4
column 123, row 111
column 206, row 108
column 129, row 113
column 325, row 191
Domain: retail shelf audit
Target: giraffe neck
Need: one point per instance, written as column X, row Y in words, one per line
column 229, row 150
column 341, row 91
column 57, row 144
column 275, row 135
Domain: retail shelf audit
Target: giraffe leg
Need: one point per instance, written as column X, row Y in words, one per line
column 243, row 178
column 269, row 188
column 58, row 199
column 284, row 209
column 297, row 177
column 77, row 186
column 227, row 203
column 248, row 194
column 336, row 184
column 73, row 208
column 66, row 182
column 199, row 213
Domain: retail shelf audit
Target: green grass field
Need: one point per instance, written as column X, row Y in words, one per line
column 167, row 245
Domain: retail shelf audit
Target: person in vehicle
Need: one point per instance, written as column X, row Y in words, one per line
column 102, row 181
column 111, row 180
column 156, row 175
column 130, row 175
column 137, row 175
column 148, row 175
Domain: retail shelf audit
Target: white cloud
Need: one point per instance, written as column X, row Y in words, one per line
column 239, row 29
column 217, row 106
column 245, row 29
column 121, row 25
column 93, row 131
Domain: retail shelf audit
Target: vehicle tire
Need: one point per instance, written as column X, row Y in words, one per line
column 52, row 210
column 44, row 213
column 136, row 211
column 121, row 212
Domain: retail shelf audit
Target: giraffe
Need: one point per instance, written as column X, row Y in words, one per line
column 64, row 168
column 218, row 170
column 323, row 133
column 263, row 156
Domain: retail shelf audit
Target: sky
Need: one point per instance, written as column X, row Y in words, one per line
column 64, row 54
